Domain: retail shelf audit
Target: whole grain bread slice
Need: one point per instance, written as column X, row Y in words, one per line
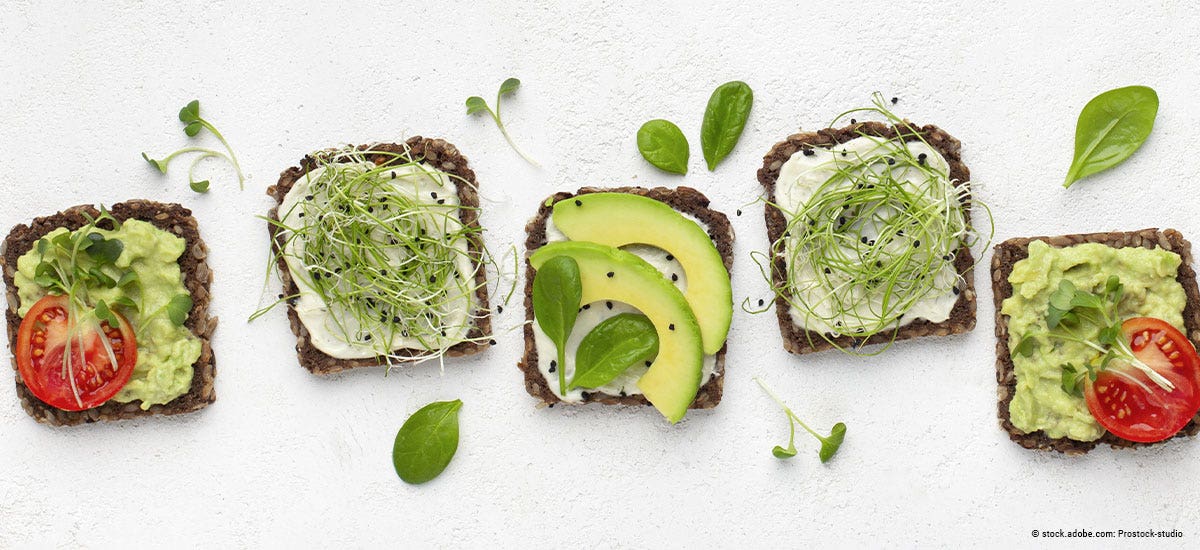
column 197, row 278
column 798, row 340
column 1009, row 252
column 440, row 155
column 682, row 199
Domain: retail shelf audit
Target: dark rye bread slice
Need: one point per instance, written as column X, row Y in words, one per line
column 799, row 341
column 682, row 199
column 1009, row 252
column 439, row 154
column 197, row 278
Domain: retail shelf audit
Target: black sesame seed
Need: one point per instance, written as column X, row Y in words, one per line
column 578, row 202
column 865, row 240
column 842, row 220
column 443, row 334
column 870, row 243
column 760, row 302
column 587, row 306
column 610, row 274
column 316, row 276
column 828, row 271
column 674, row 277
column 492, row 342
column 878, row 263
column 648, row 363
column 383, row 319
column 441, row 201
column 433, row 194
column 300, row 215
column 395, row 319
column 671, row 326
column 584, row 396
column 308, row 197
column 894, row 100
column 853, row 121
column 845, row 153
column 859, row 330
column 370, row 209
column 367, row 338
column 609, row 304
column 670, row 257
column 739, row 212
column 499, row 309
column 622, row 393
column 433, row 278
column 956, row 291
column 891, row 161
column 809, row 152
column 812, row 222
column 553, row 365
column 900, row 233
column 916, row 243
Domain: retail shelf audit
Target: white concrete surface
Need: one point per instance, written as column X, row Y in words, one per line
column 287, row 459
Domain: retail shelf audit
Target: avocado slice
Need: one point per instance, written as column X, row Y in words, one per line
column 618, row 219
column 608, row 273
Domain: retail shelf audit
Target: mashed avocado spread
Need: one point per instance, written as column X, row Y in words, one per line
column 166, row 352
column 1150, row 291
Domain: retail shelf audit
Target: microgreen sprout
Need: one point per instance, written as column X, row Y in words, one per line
column 880, row 235
column 829, row 444
column 1091, row 319
column 476, row 104
column 397, row 269
column 189, row 115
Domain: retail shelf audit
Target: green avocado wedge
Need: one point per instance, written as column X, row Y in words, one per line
column 608, row 273
column 619, row 219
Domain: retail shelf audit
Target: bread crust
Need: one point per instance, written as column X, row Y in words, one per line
column 1009, row 252
column 682, row 199
column 197, row 278
column 443, row 156
column 799, row 341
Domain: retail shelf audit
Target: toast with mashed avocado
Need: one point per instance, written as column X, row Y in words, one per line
column 381, row 255
column 89, row 280
column 870, row 232
column 659, row 257
column 1035, row 405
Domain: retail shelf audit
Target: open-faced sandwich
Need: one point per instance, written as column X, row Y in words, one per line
column 1096, row 339
column 108, row 313
column 628, row 299
column 870, row 234
column 380, row 252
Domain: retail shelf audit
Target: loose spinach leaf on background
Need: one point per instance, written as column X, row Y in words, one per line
column 1111, row 127
column 426, row 442
column 663, row 144
column 724, row 119
column 557, row 293
column 613, row 346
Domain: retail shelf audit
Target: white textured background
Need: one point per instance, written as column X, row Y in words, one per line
column 284, row 458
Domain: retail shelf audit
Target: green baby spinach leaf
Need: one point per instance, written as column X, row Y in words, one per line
column 427, row 442
column 1111, row 127
column 663, row 144
column 613, row 346
column 557, row 293
column 724, row 119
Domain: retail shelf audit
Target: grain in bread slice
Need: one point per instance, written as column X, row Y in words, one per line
column 439, row 155
column 1009, row 252
column 197, row 278
column 800, row 341
column 682, row 199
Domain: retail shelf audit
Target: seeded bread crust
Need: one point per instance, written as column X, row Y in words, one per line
column 683, row 199
column 799, row 341
column 441, row 155
column 197, row 278
column 1009, row 252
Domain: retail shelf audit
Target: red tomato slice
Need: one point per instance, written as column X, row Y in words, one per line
column 89, row 378
column 1129, row 404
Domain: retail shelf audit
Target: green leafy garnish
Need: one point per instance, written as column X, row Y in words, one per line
column 427, row 442
column 663, row 144
column 724, row 119
column 476, row 104
column 1111, row 127
column 829, row 444
column 189, row 115
column 178, row 308
column 1091, row 319
column 557, row 293
column 612, row 347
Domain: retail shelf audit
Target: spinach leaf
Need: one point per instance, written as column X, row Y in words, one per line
column 426, row 442
column 1111, row 127
column 557, row 293
column 663, row 144
column 724, row 120
column 613, row 346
